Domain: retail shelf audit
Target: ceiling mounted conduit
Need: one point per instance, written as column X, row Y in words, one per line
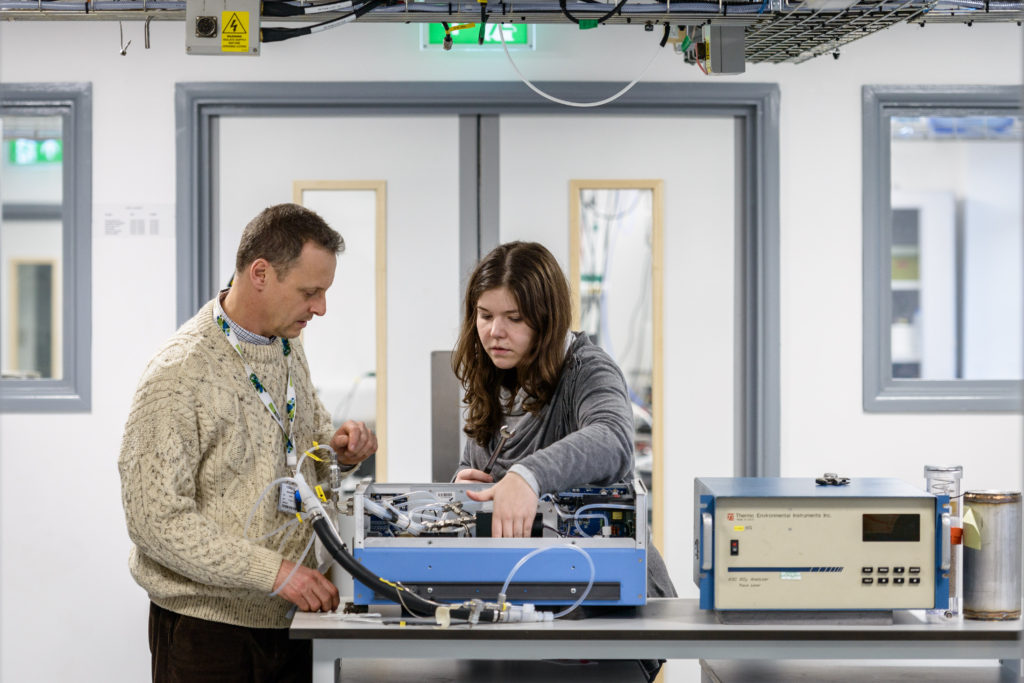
column 769, row 31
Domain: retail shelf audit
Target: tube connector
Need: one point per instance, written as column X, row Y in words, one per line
column 335, row 476
column 309, row 498
column 525, row 614
column 393, row 516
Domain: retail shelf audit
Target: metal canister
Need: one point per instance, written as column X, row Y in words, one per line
column 992, row 555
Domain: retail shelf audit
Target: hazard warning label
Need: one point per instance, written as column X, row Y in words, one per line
column 234, row 35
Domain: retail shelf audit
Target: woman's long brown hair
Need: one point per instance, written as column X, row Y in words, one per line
column 541, row 292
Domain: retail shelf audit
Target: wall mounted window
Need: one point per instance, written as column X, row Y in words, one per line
column 942, row 249
column 45, row 247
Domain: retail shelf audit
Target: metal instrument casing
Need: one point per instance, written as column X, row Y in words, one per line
column 992, row 575
column 453, row 569
column 790, row 544
column 222, row 27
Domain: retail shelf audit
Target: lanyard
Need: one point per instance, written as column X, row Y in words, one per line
column 289, row 448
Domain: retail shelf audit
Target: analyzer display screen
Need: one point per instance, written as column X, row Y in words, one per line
column 891, row 527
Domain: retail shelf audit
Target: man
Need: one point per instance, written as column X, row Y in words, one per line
column 225, row 408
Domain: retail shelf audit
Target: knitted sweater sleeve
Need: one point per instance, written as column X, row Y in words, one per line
column 160, row 461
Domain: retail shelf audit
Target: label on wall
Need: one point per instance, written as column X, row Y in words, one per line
column 135, row 220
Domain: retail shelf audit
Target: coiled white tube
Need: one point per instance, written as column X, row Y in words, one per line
column 533, row 553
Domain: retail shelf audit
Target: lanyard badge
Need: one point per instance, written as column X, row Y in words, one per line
column 289, row 448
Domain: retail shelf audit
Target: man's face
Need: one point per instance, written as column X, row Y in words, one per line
column 291, row 302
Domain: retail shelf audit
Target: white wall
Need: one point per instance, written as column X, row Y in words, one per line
column 68, row 608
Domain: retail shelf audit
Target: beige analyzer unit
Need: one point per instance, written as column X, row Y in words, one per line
column 770, row 543
column 222, row 27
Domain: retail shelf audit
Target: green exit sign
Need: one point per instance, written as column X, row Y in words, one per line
column 517, row 36
column 26, row 152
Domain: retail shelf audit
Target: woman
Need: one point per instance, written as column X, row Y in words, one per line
column 562, row 399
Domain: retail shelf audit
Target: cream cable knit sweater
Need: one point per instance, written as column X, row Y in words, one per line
column 198, row 449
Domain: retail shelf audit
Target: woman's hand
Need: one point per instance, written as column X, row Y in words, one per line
column 471, row 476
column 515, row 506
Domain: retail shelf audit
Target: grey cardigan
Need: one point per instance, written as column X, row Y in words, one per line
column 584, row 435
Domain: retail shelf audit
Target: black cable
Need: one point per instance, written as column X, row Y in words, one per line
column 601, row 20
column 285, row 8
column 448, row 41
column 273, row 35
column 483, row 23
column 361, row 10
column 389, row 589
column 566, row 12
column 280, row 9
column 664, row 38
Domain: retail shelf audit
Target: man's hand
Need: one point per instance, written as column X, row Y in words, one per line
column 308, row 589
column 471, row 476
column 515, row 506
column 354, row 443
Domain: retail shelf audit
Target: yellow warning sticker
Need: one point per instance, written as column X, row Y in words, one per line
column 234, row 35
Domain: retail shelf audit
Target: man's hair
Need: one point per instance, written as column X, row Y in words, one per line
column 541, row 292
column 278, row 234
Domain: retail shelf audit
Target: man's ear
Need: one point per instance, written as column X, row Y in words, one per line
column 258, row 272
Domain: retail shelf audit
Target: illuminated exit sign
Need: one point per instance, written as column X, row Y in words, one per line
column 517, row 37
column 27, row 152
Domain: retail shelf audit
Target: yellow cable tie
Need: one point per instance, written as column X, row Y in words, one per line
column 316, row 447
column 320, row 493
column 459, row 27
column 299, row 516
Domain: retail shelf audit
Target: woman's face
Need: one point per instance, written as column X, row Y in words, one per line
column 503, row 332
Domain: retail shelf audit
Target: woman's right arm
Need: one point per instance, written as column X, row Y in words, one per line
column 465, row 472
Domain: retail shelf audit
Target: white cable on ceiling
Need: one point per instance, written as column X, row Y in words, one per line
column 567, row 103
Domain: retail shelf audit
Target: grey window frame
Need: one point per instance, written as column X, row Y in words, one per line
column 72, row 393
column 753, row 106
column 883, row 393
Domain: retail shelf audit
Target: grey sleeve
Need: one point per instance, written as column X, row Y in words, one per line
column 600, row 451
column 471, row 457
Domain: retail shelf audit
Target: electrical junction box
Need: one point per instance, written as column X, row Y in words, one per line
column 222, row 27
column 791, row 544
column 723, row 49
column 453, row 558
